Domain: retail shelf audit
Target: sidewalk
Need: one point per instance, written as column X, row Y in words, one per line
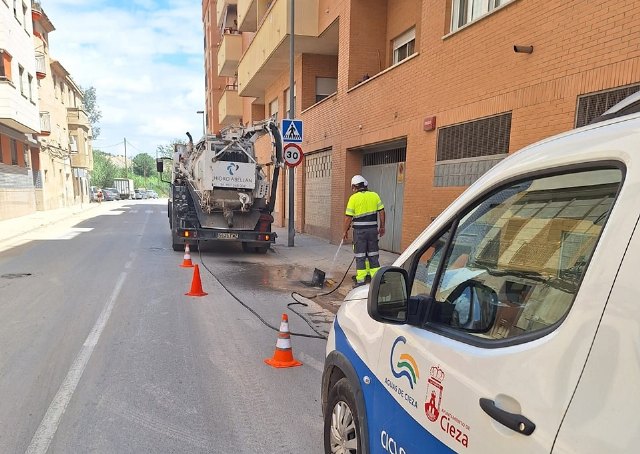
column 11, row 228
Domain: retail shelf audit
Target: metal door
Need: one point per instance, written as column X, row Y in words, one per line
column 387, row 179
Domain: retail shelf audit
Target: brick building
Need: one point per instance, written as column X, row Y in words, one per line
column 421, row 97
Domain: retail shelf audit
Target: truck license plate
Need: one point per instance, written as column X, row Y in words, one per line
column 227, row 236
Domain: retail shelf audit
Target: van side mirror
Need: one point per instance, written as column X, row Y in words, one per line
column 388, row 300
column 159, row 166
column 474, row 307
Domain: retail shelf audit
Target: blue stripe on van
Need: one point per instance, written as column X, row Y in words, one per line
column 391, row 428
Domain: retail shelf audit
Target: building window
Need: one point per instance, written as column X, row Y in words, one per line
column 404, row 45
column 62, row 92
column 325, row 86
column 55, row 87
column 273, row 109
column 5, row 65
column 15, row 8
column 287, row 101
column 14, row 152
column 468, row 150
column 21, row 76
column 25, row 10
column 30, row 83
column 593, row 105
column 464, row 12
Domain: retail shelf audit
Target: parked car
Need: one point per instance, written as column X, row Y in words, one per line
column 510, row 324
column 114, row 192
column 108, row 195
column 151, row 194
column 93, row 194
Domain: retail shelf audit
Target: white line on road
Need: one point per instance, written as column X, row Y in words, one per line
column 49, row 425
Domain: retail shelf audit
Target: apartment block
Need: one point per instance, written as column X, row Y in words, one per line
column 45, row 134
column 420, row 97
column 18, row 109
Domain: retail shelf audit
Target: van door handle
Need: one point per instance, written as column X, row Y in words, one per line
column 513, row 421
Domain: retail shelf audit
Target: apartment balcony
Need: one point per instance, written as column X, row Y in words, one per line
column 36, row 10
column 221, row 7
column 229, row 54
column 268, row 54
column 41, row 66
column 77, row 118
column 80, row 160
column 230, row 106
column 45, row 124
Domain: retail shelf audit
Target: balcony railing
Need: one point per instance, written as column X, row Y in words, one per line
column 268, row 53
column 230, row 106
column 229, row 54
column 221, row 7
column 36, row 10
column 45, row 123
column 76, row 116
column 41, row 66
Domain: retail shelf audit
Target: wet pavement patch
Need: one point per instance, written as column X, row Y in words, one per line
column 14, row 275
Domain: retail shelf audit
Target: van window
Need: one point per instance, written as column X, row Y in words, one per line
column 517, row 258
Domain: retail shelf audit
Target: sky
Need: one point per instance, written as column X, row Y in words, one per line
column 144, row 57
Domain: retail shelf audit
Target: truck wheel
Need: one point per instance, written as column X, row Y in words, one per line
column 246, row 247
column 341, row 424
column 176, row 246
column 262, row 249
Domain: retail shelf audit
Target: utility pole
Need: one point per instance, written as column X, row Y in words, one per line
column 292, row 115
column 126, row 172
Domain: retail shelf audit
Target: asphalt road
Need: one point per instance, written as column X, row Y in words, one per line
column 101, row 351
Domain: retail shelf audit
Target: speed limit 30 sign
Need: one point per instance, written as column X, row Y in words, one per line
column 293, row 154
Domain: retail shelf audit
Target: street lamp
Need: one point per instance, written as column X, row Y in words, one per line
column 203, row 126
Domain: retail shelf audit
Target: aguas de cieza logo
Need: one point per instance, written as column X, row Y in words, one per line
column 404, row 365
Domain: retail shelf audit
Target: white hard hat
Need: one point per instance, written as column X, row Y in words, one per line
column 358, row 179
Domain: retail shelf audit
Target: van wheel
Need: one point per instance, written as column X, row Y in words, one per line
column 246, row 247
column 262, row 249
column 341, row 425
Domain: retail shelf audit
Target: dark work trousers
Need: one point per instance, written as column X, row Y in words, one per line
column 365, row 246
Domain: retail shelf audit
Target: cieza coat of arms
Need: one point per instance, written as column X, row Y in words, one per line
column 434, row 393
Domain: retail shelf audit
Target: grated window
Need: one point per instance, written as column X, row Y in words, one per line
column 385, row 157
column 318, row 164
column 595, row 104
column 484, row 137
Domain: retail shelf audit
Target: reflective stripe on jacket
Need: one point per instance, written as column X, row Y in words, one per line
column 363, row 207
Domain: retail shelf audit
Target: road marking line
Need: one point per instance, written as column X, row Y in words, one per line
column 49, row 425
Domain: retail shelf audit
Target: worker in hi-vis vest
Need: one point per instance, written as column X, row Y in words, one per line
column 362, row 213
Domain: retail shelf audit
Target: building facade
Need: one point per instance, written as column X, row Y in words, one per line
column 45, row 134
column 419, row 96
column 18, row 109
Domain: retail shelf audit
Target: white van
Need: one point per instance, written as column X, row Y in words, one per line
column 512, row 323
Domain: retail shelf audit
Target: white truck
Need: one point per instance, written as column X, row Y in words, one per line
column 510, row 325
column 219, row 192
column 124, row 187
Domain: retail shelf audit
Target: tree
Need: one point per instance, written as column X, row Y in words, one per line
column 166, row 151
column 144, row 165
column 93, row 111
column 104, row 171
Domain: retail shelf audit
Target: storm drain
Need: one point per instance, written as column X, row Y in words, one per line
column 14, row 275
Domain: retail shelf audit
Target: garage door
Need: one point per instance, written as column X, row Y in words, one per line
column 317, row 193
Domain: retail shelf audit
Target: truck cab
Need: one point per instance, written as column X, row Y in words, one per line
column 510, row 324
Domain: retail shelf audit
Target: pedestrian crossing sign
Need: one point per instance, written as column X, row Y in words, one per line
column 292, row 131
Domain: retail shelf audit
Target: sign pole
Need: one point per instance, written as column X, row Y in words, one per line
column 292, row 115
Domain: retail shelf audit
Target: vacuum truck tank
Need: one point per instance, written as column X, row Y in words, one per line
column 219, row 192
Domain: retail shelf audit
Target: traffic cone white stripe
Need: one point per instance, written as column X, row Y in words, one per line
column 283, row 343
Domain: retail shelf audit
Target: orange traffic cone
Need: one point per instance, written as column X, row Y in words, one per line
column 186, row 261
column 196, row 284
column 283, row 356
